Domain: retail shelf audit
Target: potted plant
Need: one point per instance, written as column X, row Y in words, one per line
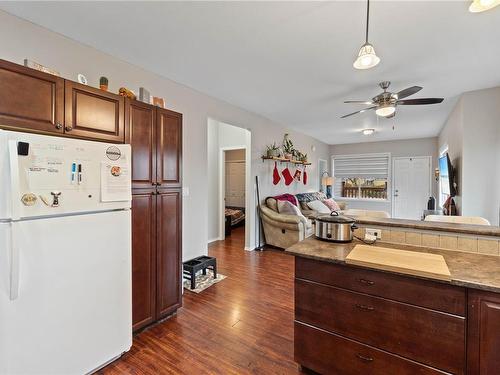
column 273, row 151
column 288, row 149
column 302, row 157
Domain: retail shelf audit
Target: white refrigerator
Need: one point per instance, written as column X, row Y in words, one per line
column 65, row 254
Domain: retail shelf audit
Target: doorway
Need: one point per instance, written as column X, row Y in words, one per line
column 233, row 192
column 411, row 186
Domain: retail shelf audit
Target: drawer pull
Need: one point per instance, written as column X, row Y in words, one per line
column 366, row 282
column 363, row 358
column 364, row 307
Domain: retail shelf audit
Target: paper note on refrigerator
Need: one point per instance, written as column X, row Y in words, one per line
column 115, row 182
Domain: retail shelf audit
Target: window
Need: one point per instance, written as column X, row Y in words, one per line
column 361, row 176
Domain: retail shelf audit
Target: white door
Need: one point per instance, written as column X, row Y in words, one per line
column 411, row 186
column 71, row 309
column 235, row 184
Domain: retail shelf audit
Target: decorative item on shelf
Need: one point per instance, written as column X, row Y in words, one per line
column 126, row 93
column 34, row 65
column 301, row 157
column 288, row 149
column 82, row 79
column 144, row 95
column 276, row 175
column 103, row 83
column 159, row 102
column 287, row 176
column 327, row 180
column 273, row 151
column 297, row 175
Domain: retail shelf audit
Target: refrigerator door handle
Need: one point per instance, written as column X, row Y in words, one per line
column 14, row 262
column 14, row 180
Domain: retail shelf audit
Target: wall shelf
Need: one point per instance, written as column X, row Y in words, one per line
column 283, row 160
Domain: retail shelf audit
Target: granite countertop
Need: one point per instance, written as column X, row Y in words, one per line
column 481, row 230
column 467, row 269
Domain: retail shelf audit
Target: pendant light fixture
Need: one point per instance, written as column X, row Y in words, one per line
column 367, row 58
column 483, row 5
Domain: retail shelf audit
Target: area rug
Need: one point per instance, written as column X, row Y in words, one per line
column 203, row 281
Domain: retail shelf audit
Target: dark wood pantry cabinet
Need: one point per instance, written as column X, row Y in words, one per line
column 38, row 102
column 155, row 135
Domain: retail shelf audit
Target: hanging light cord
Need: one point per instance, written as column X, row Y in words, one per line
column 367, row 18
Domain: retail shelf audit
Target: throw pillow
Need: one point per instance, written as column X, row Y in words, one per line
column 288, row 208
column 331, row 204
column 319, row 206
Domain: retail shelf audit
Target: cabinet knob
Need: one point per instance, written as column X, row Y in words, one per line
column 366, row 282
column 59, row 126
column 365, row 308
column 364, row 358
column 69, row 128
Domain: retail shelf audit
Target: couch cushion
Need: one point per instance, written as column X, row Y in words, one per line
column 331, row 204
column 272, row 202
column 319, row 206
column 304, row 198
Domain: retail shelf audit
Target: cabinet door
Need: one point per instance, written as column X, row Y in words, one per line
column 94, row 114
column 30, row 99
column 140, row 121
column 143, row 259
column 483, row 345
column 169, row 221
column 169, row 148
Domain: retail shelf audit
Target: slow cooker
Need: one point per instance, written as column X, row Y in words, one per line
column 335, row 227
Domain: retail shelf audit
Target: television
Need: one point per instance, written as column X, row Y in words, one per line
column 446, row 176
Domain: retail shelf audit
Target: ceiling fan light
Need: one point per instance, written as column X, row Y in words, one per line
column 478, row 6
column 368, row 131
column 385, row 111
column 367, row 58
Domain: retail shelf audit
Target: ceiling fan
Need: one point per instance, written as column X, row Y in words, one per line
column 386, row 102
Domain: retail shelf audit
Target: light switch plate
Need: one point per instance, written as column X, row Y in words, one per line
column 185, row 191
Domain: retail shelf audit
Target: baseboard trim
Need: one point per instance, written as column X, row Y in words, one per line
column 214, row 239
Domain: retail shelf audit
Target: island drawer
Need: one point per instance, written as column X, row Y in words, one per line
column 430, row 337
column 424, row 293
column 328, row 353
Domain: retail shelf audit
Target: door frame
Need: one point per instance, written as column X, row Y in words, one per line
column 222, row 187
column 393, row 176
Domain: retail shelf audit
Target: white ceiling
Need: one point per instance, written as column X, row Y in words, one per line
column 292, row 61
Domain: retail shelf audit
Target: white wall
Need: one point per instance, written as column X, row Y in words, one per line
column 472, row 133
column 401, row 148
column 20, row 39
column 452, row 136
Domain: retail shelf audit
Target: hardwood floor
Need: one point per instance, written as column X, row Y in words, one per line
column 242, row 325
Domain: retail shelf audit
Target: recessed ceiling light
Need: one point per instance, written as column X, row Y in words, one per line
column 368, row 131
column 483, row 5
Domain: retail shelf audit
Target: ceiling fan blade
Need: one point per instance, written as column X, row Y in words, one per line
column 361, row 111
column 409, row 91
column 359, row 101
column 419, row 101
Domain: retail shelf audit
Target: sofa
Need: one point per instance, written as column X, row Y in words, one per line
column 283, row 230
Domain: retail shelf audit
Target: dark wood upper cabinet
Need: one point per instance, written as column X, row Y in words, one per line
column 30, row 100
column 94, row 114
column 169, row 233
column 169, row 148
column 143, row 260
column 141, row 134
column 483, row 341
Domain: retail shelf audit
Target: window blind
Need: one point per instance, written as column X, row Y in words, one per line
column 359, row 165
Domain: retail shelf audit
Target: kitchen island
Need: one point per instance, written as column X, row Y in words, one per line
column 357, row 320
